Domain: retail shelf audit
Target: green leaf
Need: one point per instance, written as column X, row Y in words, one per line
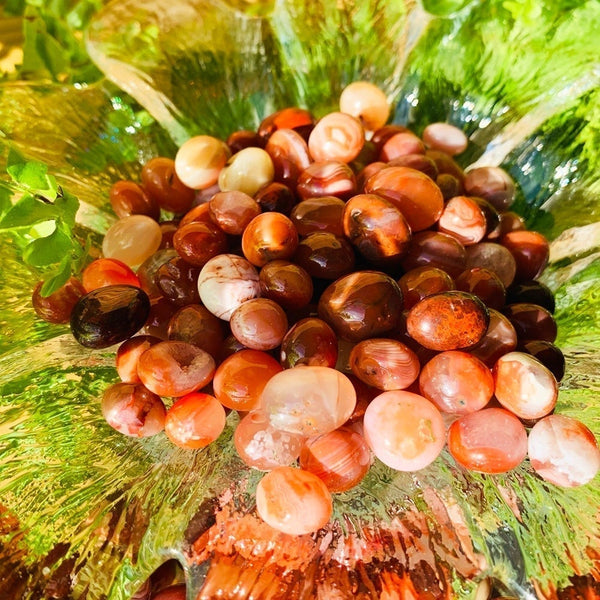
column 56, row 278
column 27, row 212
column 67, row 205
column 32, row 175
column 48, row 250
column 5, row 203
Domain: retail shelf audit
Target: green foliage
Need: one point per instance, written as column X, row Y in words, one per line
column 53, row 44
column 42, row 218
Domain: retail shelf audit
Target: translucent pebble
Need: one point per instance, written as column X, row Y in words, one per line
column 341, row 458
column 263, row 447
column 367, row 103
column 259, row 324
column 199, row 161
column 133, row 410
column 524, row 385
column 563, row 451
column 404, row 430
column 132, row 239
column 308, row 400
column 247, row 171
column 445, row 137
column 195, row 421
column 492, row 184
column 337, row 136
column 491, row 440
column 225, row 282
column 293, row 501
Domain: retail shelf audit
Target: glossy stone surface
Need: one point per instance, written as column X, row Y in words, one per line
column 484, row 284
column 247, row 171
column 340, row 458
column 276, row 197
column 161, row 183
column 319, row 214
column 463, row 219
column 199, row 161
column 404, row 430
column 310, row 341
column 548, row 354
column 421, row 282
column 491, row 183
column 289, row 152
column 308, row 400
column 269, row 236
column 435, row 249
column 337, row 136
column 384, row 364
column 178, row 281
column 376, row 228
column 327, row 178
column 196, row 325
column 225, row 282
column 401, row 144
column 109, row 315
column 293, row 501
column 57, row 307
column 175, row 368
column 456, row 382
column 491, row 440
column 420, row 162
column 286, row 118
column 259, row 324
column 563, row 451
column 448, row 321
column 361, row 305
column 240, row 379
column 108, row 271
column 118, row 240
column 416, row 195
column 499, row 339
column 133, row 410
column 493, row 257
column 531, row 322
column 367, row 103
column 198, row 242
column 325, row 255
column 129, row 198
column 263, row 447
column 524, row 385
column 128, row 355
column 534, row 292
column 195, row 421
column 445, row 137
column 232, row 211
column 286, row 283
column 530, row 250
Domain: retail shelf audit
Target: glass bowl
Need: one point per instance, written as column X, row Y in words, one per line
column 88, row 513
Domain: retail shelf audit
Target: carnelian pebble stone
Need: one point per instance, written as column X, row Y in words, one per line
column 340, row 458
column 128, row 198
column 175, row 368
column 293, row 501
column 240, row 379
column 128, row 355
column 500, row 338
column 530, row 250
column 563, row 451
column 448, row 321
column 232, row 211
column 404, row 430
column 286, row 283
column 269, row 236
column 421, row 282
column 195, row 421
column 366, row 102
column 416, row 195
column 259, row 324
column 161, row 183
column 308, row 400
column 310, row 341
column 445, row 137
column 491, row 440
column 384, row 364
column 524, row 385
column 108, row 271
column 263, row 447
column 117, row 240
column 58, row 306
column 199, row 161
column 337, row 136
column 198, row 242
column 457, row 382
column 326, row 178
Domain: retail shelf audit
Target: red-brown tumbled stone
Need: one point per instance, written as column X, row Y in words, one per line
column 448, row 321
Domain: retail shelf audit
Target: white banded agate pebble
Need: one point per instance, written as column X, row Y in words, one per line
column 225, row 283
column 563, row 451
column 308, row 400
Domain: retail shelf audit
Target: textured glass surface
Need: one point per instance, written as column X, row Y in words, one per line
column 88, row 513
